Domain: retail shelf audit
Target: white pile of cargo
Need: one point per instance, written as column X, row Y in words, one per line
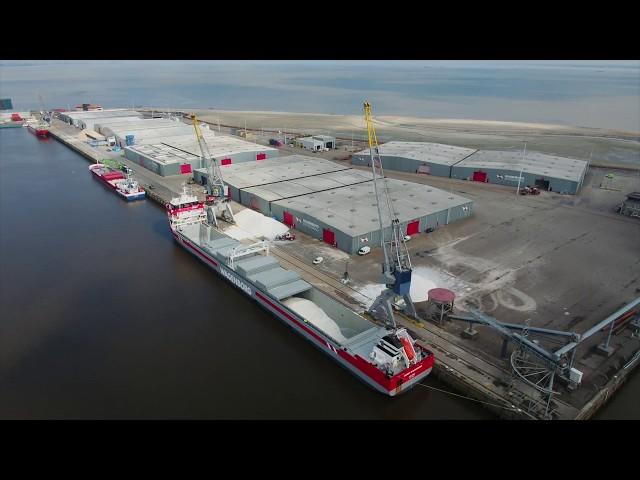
column 317, row 317
column 254, row 225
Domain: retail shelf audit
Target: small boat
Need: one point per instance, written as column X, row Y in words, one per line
column 124, row 186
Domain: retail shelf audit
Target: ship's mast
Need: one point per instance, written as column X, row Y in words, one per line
column 396, row 269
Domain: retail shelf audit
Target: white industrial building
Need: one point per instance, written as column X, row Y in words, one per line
column 317, row 142
column 88, row 119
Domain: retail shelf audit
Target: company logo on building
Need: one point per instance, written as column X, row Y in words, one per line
column 236, row 281
column 307, row 223
column 510, row 178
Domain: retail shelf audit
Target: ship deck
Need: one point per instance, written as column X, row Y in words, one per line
column 267, row 273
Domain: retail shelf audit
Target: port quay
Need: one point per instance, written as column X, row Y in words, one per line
column 498, row 381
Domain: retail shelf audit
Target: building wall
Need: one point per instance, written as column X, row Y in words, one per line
column 163, row 169
column 510, row 178
column 310, row 144
column 308, row 224
column 254, row 202
column 402, row 164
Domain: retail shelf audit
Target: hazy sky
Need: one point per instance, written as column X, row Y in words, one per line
column 586, row 93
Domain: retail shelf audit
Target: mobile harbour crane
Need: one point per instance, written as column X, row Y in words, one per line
column 396, row 269
column 217, row 201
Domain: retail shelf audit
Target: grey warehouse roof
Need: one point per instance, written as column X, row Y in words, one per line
column 436, row 153
column 303, row 186
column 164, row 154
column 352, row 209
column 220, row 146
column 103, row 113
column 534, row 163
column 250, row 174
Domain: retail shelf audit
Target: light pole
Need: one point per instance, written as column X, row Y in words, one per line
column 524, row 152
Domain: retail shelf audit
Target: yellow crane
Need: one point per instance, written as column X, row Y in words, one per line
column 217, row 201
column 396, row 269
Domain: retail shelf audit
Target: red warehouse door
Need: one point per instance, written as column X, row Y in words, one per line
column 328, row 236
column 287, row 219
column 479, row 176
column 225, row 161
column 185, row 168
column 413, row 227
column 261, row 156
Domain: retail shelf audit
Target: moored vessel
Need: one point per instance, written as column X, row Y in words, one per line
column 123, row 185
column 384, row 357
column 39, row 129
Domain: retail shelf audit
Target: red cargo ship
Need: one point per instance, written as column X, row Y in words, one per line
column 40, row 130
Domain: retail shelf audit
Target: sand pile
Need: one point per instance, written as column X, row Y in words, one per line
column 252, row 224
column 313, row 314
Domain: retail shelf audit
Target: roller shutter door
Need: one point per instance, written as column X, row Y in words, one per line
column 413, row 227
column 288, row 219
column 328, row 236
column 479, row 176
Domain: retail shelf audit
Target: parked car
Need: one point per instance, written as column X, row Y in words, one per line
column 286, row 236
column 406, row 238
column 364, row 250
column 317, row 260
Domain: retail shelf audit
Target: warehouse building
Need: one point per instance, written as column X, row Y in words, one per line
column 261, row 198
column 317, row 142
column 547, row 172
column 88, row 120
column 242, row 176
column 167, row 154
column 146, row 132
column 133, row 122
column 416, row 157
column 336, row 204
column 347, row 217
column 163, row 159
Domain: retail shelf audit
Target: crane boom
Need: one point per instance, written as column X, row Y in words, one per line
column 46, row 116
column 217, row 200
column 213, row 170
column 396, row 269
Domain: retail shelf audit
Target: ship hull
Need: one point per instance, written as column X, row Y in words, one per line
column 129, row 197
column 39, row 132
column 358, row 366
column 103, row 180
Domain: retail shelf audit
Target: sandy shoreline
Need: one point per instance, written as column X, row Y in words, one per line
column 604, row 146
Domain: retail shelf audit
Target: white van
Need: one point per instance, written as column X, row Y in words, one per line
column 364, row 250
